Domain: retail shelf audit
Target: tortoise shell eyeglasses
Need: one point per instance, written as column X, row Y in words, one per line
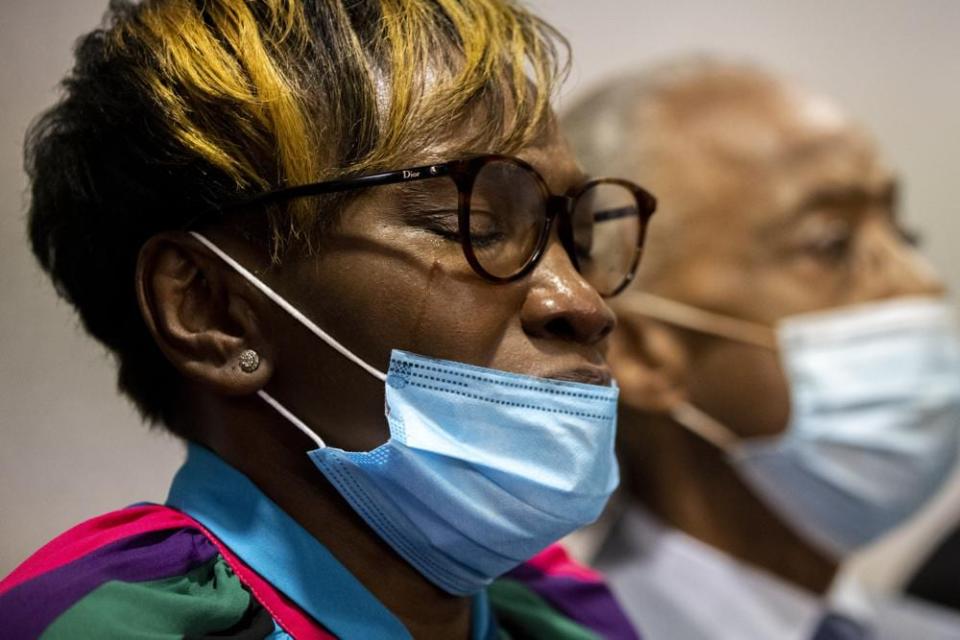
column 505, row 213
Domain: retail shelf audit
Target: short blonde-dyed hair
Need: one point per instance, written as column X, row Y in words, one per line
column 176, row 107
column 281, row 92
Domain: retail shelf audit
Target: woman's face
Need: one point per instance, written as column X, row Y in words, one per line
column 389, row 277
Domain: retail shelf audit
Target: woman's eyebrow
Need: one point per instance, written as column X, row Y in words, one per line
column 413, row 199
column 429, row 188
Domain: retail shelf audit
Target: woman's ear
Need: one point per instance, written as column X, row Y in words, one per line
column 202, row 315
column 650, row 364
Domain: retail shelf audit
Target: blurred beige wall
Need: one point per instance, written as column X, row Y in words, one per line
column 70, row 448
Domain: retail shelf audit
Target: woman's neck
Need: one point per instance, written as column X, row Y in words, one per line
column 274, row 459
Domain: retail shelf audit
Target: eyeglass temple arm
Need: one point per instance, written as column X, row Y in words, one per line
column 347, row 184
column 614, row 214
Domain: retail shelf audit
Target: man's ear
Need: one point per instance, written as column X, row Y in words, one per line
column 650, row 363
column 202, row 315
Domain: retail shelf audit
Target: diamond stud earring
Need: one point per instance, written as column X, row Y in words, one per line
column 249, row 361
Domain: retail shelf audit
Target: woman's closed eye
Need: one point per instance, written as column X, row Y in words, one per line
column 444, row 223
column 485, row 230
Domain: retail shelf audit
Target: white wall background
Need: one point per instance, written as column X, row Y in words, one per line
column 70, row 448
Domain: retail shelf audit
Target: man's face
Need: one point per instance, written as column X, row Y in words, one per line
column 784, row 208
column 393, row 276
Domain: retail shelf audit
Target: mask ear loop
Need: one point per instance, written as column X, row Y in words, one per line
column 302, row 319
column 297, row 422
column 702, row 321
column 711, row 430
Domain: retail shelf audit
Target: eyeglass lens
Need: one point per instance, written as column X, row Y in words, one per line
column 507, row 215
column 606, row 223
column 507, row 220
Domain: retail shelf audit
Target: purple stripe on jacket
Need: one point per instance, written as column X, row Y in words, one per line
column 591, row 604
column 138, row 558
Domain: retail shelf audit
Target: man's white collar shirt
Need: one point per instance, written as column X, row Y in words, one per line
column 675, row 587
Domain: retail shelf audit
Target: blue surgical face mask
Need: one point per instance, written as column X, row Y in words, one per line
column 875, row 414
column 483, row 468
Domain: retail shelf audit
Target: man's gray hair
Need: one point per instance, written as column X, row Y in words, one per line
column 610, row 128
column 631, row 126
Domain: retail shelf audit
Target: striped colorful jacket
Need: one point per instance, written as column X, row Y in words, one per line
column 155, row 571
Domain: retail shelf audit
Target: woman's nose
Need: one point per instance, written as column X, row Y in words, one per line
column 561, row 305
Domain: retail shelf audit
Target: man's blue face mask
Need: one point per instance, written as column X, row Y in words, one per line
column 875, row 414
column 483, row 468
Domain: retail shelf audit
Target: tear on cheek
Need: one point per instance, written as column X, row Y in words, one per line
column 460, row 317
column 422, row 311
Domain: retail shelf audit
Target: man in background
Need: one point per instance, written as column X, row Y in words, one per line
column 789, row 370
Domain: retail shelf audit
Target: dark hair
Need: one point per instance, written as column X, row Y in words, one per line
column 176, row 106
